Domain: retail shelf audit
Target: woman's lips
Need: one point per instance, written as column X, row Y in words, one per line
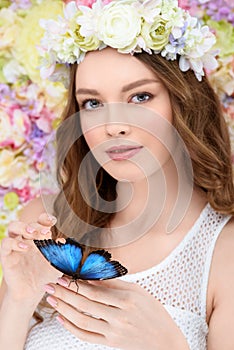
column 123, row 152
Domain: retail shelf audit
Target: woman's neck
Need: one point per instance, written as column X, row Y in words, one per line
column 156, row 192
column 148, row 204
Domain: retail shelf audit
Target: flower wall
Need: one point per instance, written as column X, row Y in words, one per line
column 30, row 108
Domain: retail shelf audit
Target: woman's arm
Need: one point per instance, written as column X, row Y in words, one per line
column 15, row 316
column 221, row 329
column 22, row 287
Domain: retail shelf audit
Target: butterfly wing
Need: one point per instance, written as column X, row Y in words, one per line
column 98, row 266
column 65, row 257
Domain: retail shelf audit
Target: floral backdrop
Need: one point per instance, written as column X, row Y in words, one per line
column 30, row 108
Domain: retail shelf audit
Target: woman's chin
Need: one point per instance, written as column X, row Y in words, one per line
column 125, row 172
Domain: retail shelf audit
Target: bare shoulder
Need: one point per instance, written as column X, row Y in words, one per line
column 225, row 242
column 221, row 334
column 31, row 211
column 223, row 259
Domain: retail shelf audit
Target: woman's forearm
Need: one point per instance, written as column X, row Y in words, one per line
column 14, row 323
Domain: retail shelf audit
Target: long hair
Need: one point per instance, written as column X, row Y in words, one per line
column 74, row 205
column 198, row 118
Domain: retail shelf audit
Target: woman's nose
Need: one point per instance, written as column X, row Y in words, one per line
column 116, row 119
column 117, row 129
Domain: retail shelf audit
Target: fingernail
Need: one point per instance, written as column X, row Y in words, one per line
column 49, row 289
column 60, row 320
column 22, row 245
column 52, row 301
column 63, row 282
column 52, row 218
column 30, row 229
column 45, row 231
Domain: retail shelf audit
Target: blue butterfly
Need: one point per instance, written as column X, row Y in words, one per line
column 67, row 258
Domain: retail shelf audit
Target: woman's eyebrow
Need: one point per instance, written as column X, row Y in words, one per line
column 138, row 83
column 84, row 91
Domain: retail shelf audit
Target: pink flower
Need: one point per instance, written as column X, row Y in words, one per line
column 14, row 126
column 87, row 3
column 230, row 112
column 184, row 4
column 44, row 122
column 193, row 6
column 24, row 193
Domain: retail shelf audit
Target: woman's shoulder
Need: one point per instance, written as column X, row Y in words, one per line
column 222, row 268
column 226, row 238
column 222, row 282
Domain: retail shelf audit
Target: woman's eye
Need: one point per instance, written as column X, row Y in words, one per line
column 90, row 104
column 142, row 97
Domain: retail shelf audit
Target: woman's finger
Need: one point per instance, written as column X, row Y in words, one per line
column 47, row 219
column 8, row 245
column 79, row 319
column 28, row 231
column 119, row 298
column 81, row 333
column 16, row 228
column 38, row 231
column 82, row 303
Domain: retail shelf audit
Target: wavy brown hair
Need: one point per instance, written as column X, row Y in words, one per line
column 198, row 118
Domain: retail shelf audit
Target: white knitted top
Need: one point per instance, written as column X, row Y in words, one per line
column 179, row 282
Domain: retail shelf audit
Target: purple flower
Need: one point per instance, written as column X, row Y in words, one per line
column 32, row 108
column 4, row 89
column 6, row 94
column 20, row 4
column 219, row 10
column 36, row 144
column 178, row 43
column 36, row 132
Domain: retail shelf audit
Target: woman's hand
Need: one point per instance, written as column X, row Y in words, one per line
column 125, row 316
column 25, row 270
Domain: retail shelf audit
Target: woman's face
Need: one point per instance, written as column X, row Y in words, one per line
column 120, row 100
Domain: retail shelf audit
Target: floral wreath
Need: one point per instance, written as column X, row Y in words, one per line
column 130, row 26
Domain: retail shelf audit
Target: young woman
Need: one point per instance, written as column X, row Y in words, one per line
column 178, row 293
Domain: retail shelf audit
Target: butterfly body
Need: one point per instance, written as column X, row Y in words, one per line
column 69, row 259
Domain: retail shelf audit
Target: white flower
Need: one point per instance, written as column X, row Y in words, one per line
column 196, row 53
column 55, row 96
column 89, row 18
column 60, row 74
column 9, row 27
column 148, row 9
column 119, row 25
column 175, row 22
column 53, row 37
column 48, row 64
column 209, row 62
column 155, row 35
column 70, row 10
column 30, row 34
column 13, row 70
column 198, row 64
column 169, row 7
